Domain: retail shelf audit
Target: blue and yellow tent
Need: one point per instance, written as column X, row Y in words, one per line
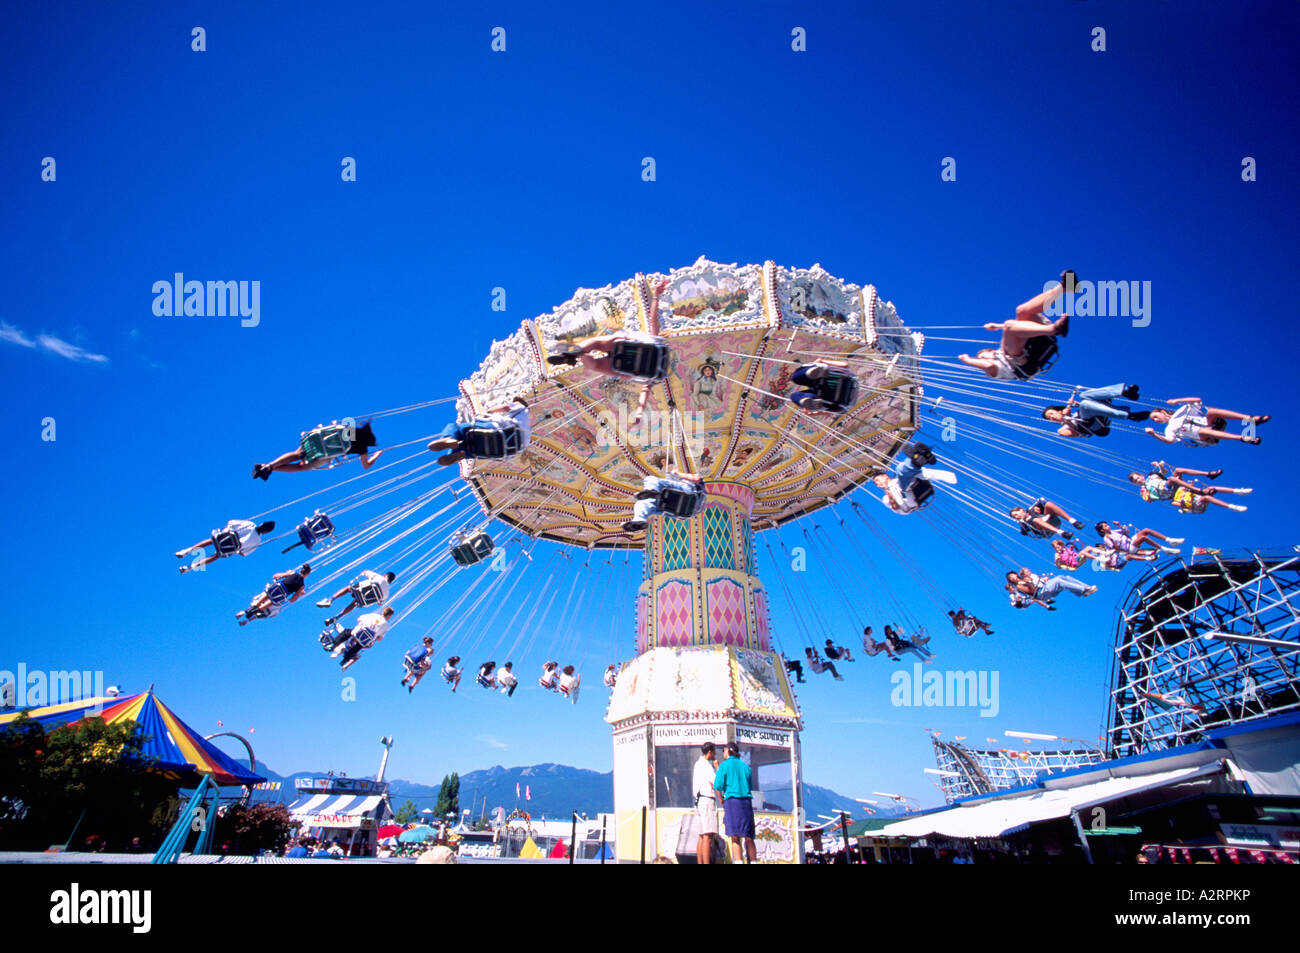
column 179, row 750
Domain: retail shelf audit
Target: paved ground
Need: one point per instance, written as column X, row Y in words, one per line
column 73, row 857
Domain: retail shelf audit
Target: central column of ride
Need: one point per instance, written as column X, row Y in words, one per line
column 704, row 671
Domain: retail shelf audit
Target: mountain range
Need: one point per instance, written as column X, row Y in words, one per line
column 553, row 790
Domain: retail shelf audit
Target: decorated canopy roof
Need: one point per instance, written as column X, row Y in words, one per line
column 737, row 333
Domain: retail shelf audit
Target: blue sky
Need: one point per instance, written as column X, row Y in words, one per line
column 522, row 170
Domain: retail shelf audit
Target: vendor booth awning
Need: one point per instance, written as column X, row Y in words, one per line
column 996, row 818
column 336, row 810
column 177, row 748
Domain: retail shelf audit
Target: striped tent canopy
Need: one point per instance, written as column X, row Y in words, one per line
column 178, row 749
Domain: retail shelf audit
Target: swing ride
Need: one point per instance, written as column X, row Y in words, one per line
column 660, row 414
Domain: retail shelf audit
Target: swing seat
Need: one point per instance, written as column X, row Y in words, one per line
column 679, row 503
column 644, row 360
column 325, row 444
column 363, row 637
column 838, row 389
column 491, row 443
column 277, row 593
column 472, row 548
column 314, row 529
column 367, row 594
column 482, row 680
column 226, row 541
column 922, row 491
column 1040, row 354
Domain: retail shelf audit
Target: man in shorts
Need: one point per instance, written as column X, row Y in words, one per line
column 706, row 805
column 369, row 583
column 732, row 784
column 284, row 588
column 1009, row 361
column 238, row 536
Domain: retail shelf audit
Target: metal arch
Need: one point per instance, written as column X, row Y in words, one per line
column 252, row 761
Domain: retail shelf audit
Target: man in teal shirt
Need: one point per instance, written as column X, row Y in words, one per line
column 732, row 782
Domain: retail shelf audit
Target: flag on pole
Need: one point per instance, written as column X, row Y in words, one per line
column 528, row 792
column 516, row 790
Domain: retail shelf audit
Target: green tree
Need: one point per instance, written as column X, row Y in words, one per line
column 407, row 813
column 448, row 796
column 253, row 828
column 47, row 779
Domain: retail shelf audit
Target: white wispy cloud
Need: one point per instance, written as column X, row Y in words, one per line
column 13, row 335
column 71, row 351
column 48, row 342
column 492, row 742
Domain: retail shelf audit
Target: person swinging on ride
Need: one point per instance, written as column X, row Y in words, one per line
column 368, row 589
column 550, row 678
column 1028, row 588
column 1069, row 556
column 1042, row 519
column 674, row 494
column 323, row 447
column 916, row 645
column 284, row 588
column 369, row 630
column 570, row 682
column 1121, row 538
column 911, row 488
column 238, row 536
column 828, row 387
column 1165, row 484
column 1199, row 426
column 1089, row 410
column 630, row 355
column 417, row 661
column 504, row 432
column 817, row 665
column 451, row 672
column 1028, row 345
column 873, row 648
column 507, row 680
column 966, row 624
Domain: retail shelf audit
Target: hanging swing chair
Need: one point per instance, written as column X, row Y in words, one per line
column 471, row 548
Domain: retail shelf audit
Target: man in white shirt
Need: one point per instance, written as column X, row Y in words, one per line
column 368, row 589
column 507, row 681
column 369, row 630
column 238, row 536
column 911, row 487
column 706, row 805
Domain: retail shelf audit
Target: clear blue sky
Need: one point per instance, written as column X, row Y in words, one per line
column 522, row 170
